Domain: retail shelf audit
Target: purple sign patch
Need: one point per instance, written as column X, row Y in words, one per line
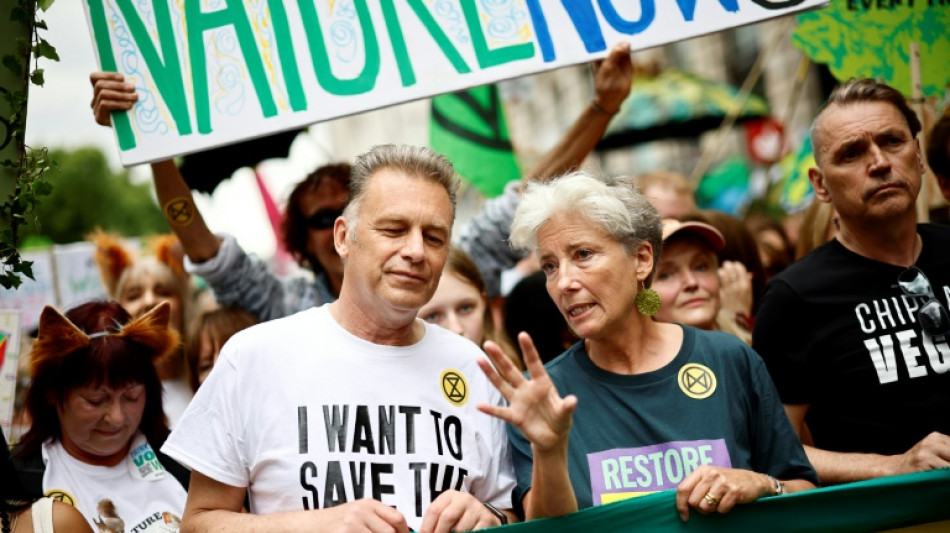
column 628, row 472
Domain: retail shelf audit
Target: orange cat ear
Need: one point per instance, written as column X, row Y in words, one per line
column 57, row 337
column 112, row 258
column 151, row 330
column 168, row 251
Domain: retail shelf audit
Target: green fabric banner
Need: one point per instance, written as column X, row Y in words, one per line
column 874, row 505
column 469, row 128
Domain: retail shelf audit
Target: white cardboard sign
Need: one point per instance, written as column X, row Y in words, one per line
column 214, row 72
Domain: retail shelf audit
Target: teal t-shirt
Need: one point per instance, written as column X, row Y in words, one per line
column 638, row 434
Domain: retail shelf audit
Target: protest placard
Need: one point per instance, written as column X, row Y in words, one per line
column 214, row 72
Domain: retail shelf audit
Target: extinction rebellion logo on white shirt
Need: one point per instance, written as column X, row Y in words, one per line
column 373, row 451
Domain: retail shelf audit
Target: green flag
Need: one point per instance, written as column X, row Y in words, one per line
column 469, row 128
column 874, row 505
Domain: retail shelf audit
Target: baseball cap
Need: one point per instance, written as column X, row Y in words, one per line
column 707, row 233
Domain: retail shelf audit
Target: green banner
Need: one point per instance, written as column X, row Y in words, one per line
column 871, row 39
column 469, row 128
column 874, row 505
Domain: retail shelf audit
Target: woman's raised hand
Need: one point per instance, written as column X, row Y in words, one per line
column 534, row 405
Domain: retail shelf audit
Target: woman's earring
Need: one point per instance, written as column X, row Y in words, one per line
column 648, row 301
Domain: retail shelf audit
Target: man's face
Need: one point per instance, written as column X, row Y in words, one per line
column 869, row 165
column 329, row 196
column 395, row 253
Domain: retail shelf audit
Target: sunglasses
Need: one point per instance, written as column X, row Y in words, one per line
column 933, row 316
column 324, row 218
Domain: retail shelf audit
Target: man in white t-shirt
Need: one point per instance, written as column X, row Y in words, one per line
column 355, row 416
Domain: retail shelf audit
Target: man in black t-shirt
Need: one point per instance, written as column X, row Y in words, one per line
column 842, row 338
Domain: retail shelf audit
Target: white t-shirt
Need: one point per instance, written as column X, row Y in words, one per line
column 176, row 394
column 135, row 496
column 308, row 416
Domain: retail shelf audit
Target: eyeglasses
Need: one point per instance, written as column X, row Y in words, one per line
column 933, row 316
column 324, row 218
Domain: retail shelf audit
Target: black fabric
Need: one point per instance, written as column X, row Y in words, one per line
column 30, row 470
column 837, row 333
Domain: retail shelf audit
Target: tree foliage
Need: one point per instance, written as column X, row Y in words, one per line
column 87, row 194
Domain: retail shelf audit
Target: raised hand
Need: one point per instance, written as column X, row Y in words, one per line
column 110, row 93
column 613, row 78
column 534, row 405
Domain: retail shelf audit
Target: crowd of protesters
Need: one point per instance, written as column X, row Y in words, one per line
column 398, row 387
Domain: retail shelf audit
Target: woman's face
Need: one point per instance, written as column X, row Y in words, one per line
column 590, row 276
column 208, row 351
column 688, row 283
column 98, row 423
column 457, row 306
column 146, row 290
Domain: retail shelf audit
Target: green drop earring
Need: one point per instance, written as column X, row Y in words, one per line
column 648, row 301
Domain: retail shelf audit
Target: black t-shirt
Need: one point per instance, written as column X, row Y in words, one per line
column 836, row 332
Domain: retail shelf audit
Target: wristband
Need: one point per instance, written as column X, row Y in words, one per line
column 498, row 514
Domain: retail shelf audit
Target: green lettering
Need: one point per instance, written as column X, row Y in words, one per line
column 321, row 59
column 674, row 465
column 399, row 43
column 656, row 457
column 627, row 471
column 288, row 59
column 441, row 39
column 488, row 57
column 690, row 461
column 235, row 15
column 100, row 32
column 704, row 457
column 640, row 462
column 609, row 468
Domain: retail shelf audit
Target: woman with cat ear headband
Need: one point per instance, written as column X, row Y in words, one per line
column 96, row 405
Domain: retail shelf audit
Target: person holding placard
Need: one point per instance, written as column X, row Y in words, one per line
column 242, row 281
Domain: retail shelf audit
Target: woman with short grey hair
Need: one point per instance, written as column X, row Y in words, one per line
column 637, row 406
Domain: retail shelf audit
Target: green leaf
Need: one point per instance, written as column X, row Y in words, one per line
column 44, row 49
column 37, row 77
column 44, row 4
column 42, row 188
column 13, row 64
column 26, row 268
column 41, row 24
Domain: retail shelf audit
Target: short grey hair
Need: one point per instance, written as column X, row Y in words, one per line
column 415, row 161
column 862, row 90
column 612, row 204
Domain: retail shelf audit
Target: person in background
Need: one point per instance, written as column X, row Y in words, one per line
column 139, row 284
column 855, row 333
column 96, row 404
column 742, row 277
column 529, row 309
column 242, row 281
column 460, row 303
column 938, row 157
column 621, row 393
column 775, row 250
column 669, row 192
column 687, row 274
column 819, row 225
column 208, row 333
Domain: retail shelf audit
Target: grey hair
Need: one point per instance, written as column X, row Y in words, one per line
column 612, row 204
column 861, row 90
column 416, row 161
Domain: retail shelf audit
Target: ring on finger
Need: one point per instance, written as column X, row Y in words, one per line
column 711, row 500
